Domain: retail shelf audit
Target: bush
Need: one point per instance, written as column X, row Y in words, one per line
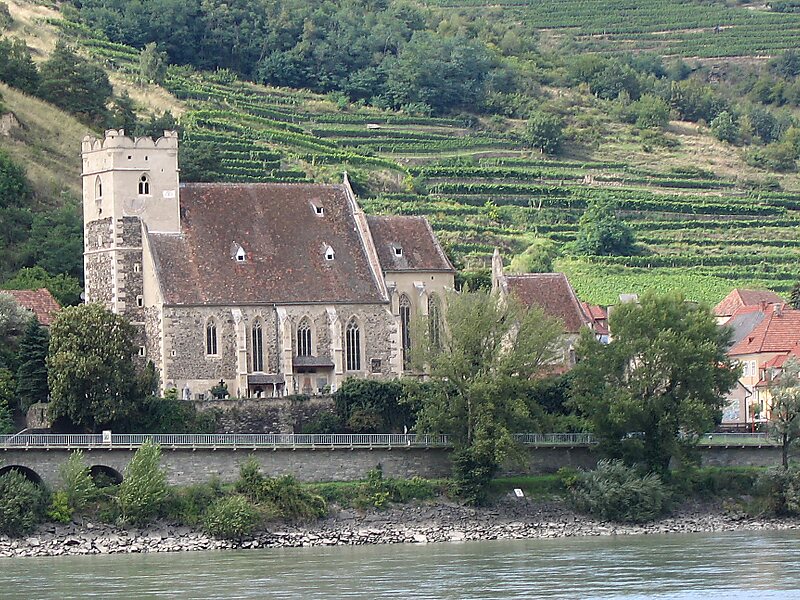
column 59, row 509
column 231, row 518
column 778, row 491
column 281, row 497
column 144, row 486
column 187, row 505
column 615, row 492
column 78, row 484
column 21, row 504
column 377, row 491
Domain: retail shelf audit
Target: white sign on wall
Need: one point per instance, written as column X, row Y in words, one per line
column 168, row 194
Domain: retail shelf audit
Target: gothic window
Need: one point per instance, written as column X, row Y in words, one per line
column 258, row 346
column 434, row 321
column 304, row 338
column 144, row 185
column 211, row 337
column 405, row 329
column 353, row 346
column 98, row 188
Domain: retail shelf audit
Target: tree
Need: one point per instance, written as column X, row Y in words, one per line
column 371, row 406
column 13, row 320
column 544, row 132
column 144, row 485
column 794, row 299
column 6, row 396
column 650, row 112
column 537, row 258
column 199, row 161
column 602, row 233
column 487, row 352
column 724, row 127
column 16, row 66
column 658, row 384
column 784, row 412
column 152, row 64
column 74, row 84
column 32, row 371
column 91, row 373
column 65, row 289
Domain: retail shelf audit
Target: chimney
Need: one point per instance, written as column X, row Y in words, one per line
column 777, row 309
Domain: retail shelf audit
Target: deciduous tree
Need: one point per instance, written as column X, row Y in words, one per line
column 658, row 384
column 784, row 413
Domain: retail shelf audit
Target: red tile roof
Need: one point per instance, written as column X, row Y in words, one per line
column 598, row 315
column 419, row 249
column 284, row 239
column 553, row 293
column 741, row 297
column 778, row 332
column 40, row 302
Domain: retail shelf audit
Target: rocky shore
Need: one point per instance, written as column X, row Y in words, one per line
column 415, row 524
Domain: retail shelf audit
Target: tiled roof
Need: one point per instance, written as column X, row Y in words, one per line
column 418, row 248
column 598, row 315
column 553, row 293
column 778, row 332
column 40, row 302
column 284, row 240
column 741, row 297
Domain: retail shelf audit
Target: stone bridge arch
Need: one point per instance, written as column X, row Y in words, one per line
column 26, row 472
column 103, row 475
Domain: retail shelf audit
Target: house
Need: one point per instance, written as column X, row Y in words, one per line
column 40, row 302
column 267, row 288
column 742, row 298
column 552, row 293
column 760, row 352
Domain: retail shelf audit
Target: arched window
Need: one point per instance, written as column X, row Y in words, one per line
column 258, row 346
column 211, row 337
column 144, row 185
column 353, row 346
column 98, row 188
column 434, row 321
column 304, row 338
column 405, row 329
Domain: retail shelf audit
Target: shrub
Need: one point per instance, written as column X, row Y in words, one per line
column 231, row 518
column 78, row 484
column 281, row 497
column 615, row 492
column 187, row 505
column 778, row 490
column 21, row 504
column 144, row 487
column 59, row 509
column 377, row 491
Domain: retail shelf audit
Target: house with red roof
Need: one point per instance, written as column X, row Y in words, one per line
column 553, row 293
column 40, row 302
column 740, row 299
column 762, row 353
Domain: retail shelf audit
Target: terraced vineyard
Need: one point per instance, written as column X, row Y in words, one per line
column 679, row 27
column 700, row 233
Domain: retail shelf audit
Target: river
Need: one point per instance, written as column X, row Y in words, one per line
column 752, row 565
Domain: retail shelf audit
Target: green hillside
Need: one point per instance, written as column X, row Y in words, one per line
column 705, row 219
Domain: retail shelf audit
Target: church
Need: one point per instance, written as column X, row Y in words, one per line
column 268, row 288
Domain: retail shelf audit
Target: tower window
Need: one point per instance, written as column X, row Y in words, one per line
column 211, row 338
column 353, row 346
column 144, row 185
column 140, row 301
column 141, row 351
column 98, row 188
column 304, row 338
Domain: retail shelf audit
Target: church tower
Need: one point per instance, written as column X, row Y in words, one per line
column 128, row 184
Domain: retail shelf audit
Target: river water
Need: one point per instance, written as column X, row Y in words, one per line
column 752, row 565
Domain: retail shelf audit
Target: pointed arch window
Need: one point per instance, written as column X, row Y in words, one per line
column 258, row 346
column 98, row 188
column 353, row 346
column 434, row 321
column 144, row 185
column 405, row 329
column 211, row 337
column 304, row 337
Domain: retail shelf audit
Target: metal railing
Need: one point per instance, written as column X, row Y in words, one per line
column 276, row 441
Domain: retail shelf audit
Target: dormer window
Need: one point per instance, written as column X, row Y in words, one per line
column 241, row 255
column 318, row 210
column 144, row 185
column 398, row 251
column 329, row 254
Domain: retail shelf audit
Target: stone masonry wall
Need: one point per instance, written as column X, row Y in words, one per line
column 270, row 415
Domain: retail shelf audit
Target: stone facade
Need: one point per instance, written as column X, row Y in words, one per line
column 279, row 415
column 147, row 257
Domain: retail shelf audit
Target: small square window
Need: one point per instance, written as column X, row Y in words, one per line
column 173, row 352
column 375, row 365
column 140, row 301
column 129, row 157
column 141, row 350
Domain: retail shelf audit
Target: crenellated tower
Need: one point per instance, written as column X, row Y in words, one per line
column 128, row 184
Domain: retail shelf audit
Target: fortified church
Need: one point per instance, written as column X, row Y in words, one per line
column 270, row 288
